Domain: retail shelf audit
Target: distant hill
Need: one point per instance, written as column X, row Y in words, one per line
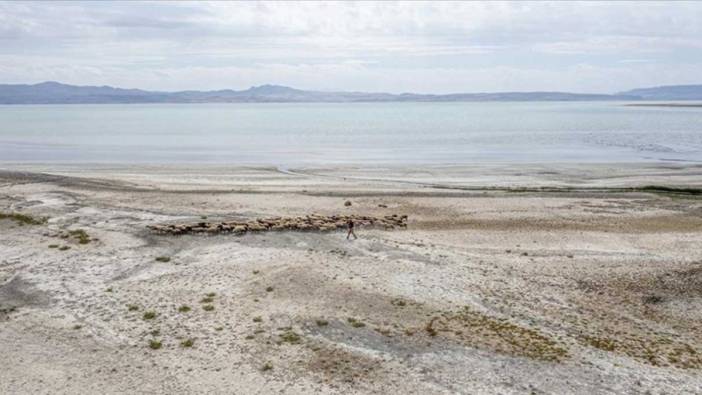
column 670, row 92
column 57, row 93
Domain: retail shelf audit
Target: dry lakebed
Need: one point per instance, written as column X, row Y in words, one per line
column 499, row 279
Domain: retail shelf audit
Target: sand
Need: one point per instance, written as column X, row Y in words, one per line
column 508, row 279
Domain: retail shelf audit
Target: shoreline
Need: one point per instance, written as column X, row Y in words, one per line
column 503, row 176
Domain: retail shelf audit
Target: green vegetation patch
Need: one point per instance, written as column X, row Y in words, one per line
column 208, row 307
column 80, row 235
column 154, row 344
column 163, row 259
column 23, row 219
column 187, row 343
column 266, row 367
column 657, row 351
column 290, row 337
column 132, row 307
column 64, row 248
column 355, row 323
column 149, row 315
column 183, row 309
column 673, row 190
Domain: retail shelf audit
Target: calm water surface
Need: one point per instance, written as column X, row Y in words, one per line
column 368, row 133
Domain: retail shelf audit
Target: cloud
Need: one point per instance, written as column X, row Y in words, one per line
column 404, row 46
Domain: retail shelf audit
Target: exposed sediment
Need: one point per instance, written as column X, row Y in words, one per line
column 313, row 222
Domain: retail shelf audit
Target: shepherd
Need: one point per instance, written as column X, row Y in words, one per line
column 350, row 225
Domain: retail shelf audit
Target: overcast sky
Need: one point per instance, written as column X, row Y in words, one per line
column 393, row 47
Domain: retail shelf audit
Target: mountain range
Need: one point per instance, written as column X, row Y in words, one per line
column 57, row 93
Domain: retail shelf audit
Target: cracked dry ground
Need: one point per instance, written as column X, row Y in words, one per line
column 498, row 293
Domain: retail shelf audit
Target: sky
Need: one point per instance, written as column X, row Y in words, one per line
column 416, row 47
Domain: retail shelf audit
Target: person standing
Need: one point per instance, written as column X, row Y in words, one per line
column 350, row 225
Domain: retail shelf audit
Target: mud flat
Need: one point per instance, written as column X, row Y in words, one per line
column 501, row 279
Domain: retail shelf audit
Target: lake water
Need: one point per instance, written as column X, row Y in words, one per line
column 359, row 133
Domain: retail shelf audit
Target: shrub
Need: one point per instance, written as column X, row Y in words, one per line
column 355, row 323
column 187, row 343
column 149, row 315
column 154, row 344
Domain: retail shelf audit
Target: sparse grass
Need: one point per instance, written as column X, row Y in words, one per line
column 109, row 289
column 257, row 319
column 155, row 332
column 203, row 217
column 207, row 300
column 601, row 343
column 154, row 344
column 498, row 334
column 652, row 299
column 64, row 248
column 53, row 245
column 76, row 327
column 187, row 343
column 398, row 302
column 183, row 309
column 219, row 328
column 256, row 271
column 290, row 337
column 80, row 235
column 266, row 367
column 249, row 337
column 656, row 351
column 322, row 322
column 163, row 259
column 132, row 307
column 208, row 307
column 23, row 219
column 355, row 323
column 149, row 315
column 211, row 295
column 269, row 289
